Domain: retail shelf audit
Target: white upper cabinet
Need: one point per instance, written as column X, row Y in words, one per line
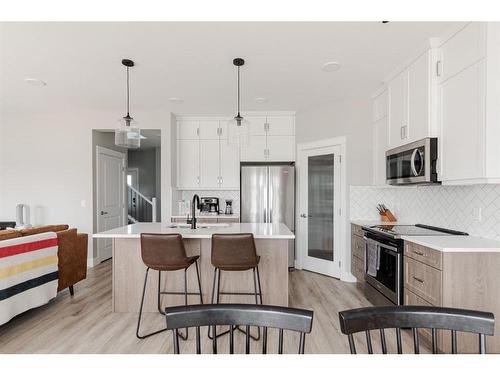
column 209, row 129
column 188, row 163
column 420, row 123
column 398, row 109
column 462, row 101
column 258, row 124
column 280, row 148
column 272, row 138
column 411, row 102
column 229, row 166
column 465, row 48
column 469, row 94
column 209, row 163
column 256, row 150
column 280, row 125
column 187, row 129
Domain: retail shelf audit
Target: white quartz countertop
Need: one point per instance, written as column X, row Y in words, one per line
column 368, row 223
column 456, row 243
column 277, row 231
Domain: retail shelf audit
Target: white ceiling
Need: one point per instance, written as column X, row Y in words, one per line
column 81, row 62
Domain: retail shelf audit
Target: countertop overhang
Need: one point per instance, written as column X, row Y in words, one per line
column 272, row 231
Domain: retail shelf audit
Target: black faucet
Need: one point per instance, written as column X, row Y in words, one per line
column 196, row 200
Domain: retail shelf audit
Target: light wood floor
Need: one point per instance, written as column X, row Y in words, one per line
column 85, row 324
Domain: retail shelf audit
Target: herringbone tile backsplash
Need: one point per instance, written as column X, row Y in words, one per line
column 453, row 207
column 221, row 194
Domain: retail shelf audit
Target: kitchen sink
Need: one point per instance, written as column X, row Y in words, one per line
column 199, row 226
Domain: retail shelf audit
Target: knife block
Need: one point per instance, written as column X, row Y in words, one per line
column 388, row 216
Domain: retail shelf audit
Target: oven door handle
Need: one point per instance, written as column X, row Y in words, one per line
column 392, row 249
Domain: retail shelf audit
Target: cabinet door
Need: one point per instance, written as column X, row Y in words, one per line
column 257, row 125
column 280, row 148
column 280, row 125
column 209, row 163
column 398, row 109
column 462, row 105
column 379, row 149
column 463, row 49
column 418, row 100
column 187, row 129
column 223, row 130
column 209, row 129
column 188, row 163
column 256, row 150
column 229, row 165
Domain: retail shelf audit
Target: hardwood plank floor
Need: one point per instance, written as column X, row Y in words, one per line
column 85, row 324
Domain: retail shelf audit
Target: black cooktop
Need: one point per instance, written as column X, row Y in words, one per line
column 396, row 231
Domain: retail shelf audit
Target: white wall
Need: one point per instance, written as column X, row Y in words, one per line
column 350, row 118
column 46, row 162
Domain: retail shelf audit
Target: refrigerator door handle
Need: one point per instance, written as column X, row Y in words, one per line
column 265, row 216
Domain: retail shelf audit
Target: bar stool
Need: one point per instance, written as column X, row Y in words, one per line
column 166, row 252
column 235, row 252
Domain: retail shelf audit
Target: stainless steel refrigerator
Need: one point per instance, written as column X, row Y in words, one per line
column 267, row 195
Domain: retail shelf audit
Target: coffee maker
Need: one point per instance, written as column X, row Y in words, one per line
column 209, row 205
column 229, row 207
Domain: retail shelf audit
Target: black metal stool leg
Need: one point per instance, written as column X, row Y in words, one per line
column 159, row 294
column 199, row 282
column 140, row 311
column 258, row 281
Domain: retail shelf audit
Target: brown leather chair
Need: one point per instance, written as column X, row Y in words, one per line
column 165, row 252
column 235, row 252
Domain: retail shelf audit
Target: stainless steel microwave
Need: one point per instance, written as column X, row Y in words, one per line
column 414, row 163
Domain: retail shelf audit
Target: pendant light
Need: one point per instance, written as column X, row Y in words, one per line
column 128, row 134
column 238, row 127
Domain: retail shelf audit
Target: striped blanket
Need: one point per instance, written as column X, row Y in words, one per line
column 28, row 273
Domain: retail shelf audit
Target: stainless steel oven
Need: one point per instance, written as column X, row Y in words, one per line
column 414, row 163
column 387, row 276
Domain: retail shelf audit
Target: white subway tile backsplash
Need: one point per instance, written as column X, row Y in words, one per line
column 454, row 207
column 221, row 194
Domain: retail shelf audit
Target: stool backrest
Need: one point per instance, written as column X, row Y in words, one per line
column 159, row 249
column 233, row 249
column 415, row 317
column 263, row 316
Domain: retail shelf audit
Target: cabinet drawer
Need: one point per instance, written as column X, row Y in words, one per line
column 423, row 280
column 424, row 254
column 358, row 269
column 358, row 247
column 356, row 229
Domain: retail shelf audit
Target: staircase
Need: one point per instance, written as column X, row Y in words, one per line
column 140, row 208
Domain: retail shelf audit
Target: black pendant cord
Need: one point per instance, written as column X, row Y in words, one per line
column 239, row 91
column 128, row 93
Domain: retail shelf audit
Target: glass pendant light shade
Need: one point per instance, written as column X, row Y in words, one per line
column 238, row 128
column 238, row 131
column 128, row 135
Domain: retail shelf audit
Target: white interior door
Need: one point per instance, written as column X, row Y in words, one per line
column 319, row 209
column 110, row 196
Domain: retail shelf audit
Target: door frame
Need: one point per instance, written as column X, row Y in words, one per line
column 123, row 156
column 341, row 142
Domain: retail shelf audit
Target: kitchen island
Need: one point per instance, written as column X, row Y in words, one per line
column 128, row 270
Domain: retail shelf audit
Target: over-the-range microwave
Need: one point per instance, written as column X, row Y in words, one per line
column 414, row 163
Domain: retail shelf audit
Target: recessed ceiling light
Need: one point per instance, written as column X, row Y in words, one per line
column 176, row 100
column 331, row 66
column 261, row 100
column 35, row 82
